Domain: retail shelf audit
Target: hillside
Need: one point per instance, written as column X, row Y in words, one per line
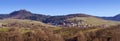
column 24, row 14
column 71, row 20
column 79, row 21
column 20, row 23
column 22, row 30
column 58, row 20
column 23, row 25
column 89, row 21
column 29, row 30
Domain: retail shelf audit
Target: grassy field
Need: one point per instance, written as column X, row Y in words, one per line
column 28, row 30
column 93, row 21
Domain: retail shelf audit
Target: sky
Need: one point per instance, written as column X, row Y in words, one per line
column 62, row 7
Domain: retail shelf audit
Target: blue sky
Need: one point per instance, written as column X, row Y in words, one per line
column 63, row 7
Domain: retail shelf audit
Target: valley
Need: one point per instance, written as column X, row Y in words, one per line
column 23, row 25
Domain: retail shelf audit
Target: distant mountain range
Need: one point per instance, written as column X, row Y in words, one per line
column 63, row 20
column 114, row 18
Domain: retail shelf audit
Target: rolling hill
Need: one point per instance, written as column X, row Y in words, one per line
column 27, row 30
column 29, row 24
column 23, row 25
column 23, row 14
column 89, row 21
column 71, row 20
column 79, row 20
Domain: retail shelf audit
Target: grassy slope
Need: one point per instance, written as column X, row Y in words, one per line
column 29, row 24
column 66, row 33
column 94, row 21
column 24, row 29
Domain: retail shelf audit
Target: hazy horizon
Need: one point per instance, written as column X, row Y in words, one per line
column 63, row 7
